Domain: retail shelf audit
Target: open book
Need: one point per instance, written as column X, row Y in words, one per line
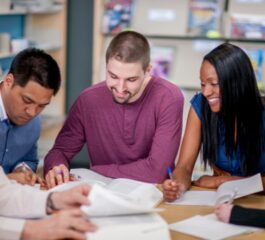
column 208, row 227
column 226, row 192
column 120, row 191
column 104, row 203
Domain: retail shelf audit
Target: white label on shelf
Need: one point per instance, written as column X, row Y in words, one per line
column 161, row 15
column 250, row 1
column 204, row 46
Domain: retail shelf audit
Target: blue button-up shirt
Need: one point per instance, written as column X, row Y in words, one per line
column 18, row 143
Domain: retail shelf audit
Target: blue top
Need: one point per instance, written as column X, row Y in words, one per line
column 232, row 165
column 18, row 143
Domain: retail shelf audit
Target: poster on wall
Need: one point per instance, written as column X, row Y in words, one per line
column 204, row 17
column 257, row 59
column 117, row 16
column 162, row 59
column 248, row 26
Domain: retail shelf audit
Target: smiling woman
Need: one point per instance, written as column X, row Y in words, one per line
column 210, row 86
column 226, row 120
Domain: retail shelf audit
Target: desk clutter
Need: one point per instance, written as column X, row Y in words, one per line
column 129, row 209
column 121, row 208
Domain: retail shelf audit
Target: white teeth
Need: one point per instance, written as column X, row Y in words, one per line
column 213, row 100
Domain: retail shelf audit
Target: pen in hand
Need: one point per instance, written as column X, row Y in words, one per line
column 170, row 173
column 179, row 190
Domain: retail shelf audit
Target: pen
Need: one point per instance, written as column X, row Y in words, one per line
column 170, row 173
column 75, row 177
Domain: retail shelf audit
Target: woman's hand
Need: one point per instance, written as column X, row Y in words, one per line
column 172, row 190
column 223, row 212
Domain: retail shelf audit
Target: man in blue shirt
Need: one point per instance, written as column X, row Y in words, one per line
column 33, row 78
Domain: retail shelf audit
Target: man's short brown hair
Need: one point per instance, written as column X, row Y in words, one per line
column 129, row 47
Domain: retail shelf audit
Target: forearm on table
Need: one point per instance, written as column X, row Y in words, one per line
column 247, row 216
column 22, row 201
column 214, row 181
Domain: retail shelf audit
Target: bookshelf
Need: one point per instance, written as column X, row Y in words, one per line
column 167, row 24
column 44, row 28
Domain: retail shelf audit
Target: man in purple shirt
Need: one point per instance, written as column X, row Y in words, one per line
column 131, row 123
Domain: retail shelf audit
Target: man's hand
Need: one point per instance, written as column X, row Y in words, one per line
column 25, row 176
column 172, row 190
column 67, row 224
column 57, row 175
column 213, row 181
column 72, row 198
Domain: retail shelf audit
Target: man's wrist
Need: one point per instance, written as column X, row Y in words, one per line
column 22, row 167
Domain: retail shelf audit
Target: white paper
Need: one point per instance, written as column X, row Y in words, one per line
column 89, row 175
column 143, row 227
column 67, row 186
column 144, row 194
column 203, row 198
column 107, row 203
column 227, row 191
column 208, row 227
column 127, row 196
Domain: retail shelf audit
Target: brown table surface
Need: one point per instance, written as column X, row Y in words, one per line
column 174, row 213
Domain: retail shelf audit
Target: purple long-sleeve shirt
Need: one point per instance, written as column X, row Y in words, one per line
column 138, row 140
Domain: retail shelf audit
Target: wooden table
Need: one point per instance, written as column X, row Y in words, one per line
column 174, row 213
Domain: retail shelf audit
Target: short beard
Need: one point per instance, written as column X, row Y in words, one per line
column 125, row 102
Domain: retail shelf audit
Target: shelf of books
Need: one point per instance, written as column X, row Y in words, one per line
column 182, row 32
column 34, row 23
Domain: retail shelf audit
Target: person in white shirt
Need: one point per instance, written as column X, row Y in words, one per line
column 19, row 203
